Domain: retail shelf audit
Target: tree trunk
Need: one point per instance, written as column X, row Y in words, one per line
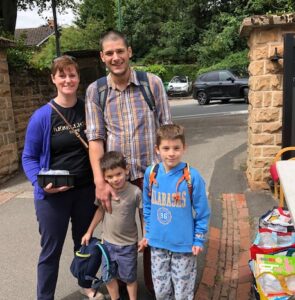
column 8, row 14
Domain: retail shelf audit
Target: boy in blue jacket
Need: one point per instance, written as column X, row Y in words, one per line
column 176, row 215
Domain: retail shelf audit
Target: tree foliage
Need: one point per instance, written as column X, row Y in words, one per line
column 92, row 18
column 45, row 4
column 218, row 40
column 270, row 6
column 200, row 32
column 99, row 10
column 72, row 38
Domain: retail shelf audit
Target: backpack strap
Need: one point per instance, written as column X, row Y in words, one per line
column 102, row 89
column 187, row 177
column 105, row 255
column 152, row 178
column 146, row 90
column 98, row 282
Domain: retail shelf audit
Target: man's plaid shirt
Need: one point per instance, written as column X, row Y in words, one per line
column 127, row 123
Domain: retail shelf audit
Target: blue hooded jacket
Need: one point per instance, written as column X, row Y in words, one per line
column 175, row 225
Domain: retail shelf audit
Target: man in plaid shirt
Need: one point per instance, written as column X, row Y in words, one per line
column 126, row 124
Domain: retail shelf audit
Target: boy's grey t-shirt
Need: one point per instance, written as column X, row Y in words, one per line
column 119, row 228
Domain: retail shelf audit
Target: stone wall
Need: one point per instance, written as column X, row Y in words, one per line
column 265, row 33
column 8, row 146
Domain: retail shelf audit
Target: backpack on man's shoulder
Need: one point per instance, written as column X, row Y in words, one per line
column 102, row 88
column 87, row 261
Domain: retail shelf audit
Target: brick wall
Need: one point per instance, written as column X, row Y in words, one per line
column 8, row 146
column 265, row 33
column 24, row 91
column 31, row 89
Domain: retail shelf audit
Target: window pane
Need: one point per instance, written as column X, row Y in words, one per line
column 224, row 76
column 211, row 77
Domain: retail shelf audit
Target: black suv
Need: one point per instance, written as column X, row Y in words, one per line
column 222, row 84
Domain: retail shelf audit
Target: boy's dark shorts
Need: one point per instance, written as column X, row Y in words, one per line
column 125, row 260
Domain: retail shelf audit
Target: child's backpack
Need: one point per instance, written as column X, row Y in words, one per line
column 186, row 176
column 87, row 261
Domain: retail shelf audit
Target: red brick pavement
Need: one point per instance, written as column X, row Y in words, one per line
column 6, row 196
column 226, row 274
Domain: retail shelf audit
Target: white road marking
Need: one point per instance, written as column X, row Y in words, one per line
column 228, row 113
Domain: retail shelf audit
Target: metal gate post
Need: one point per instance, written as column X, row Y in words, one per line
column 288, row 121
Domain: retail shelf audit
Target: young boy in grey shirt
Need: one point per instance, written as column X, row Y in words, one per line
column 119, row 229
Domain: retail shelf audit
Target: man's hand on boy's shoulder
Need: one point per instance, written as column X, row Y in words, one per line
column 104, row 192
column 196, row 250
column 142, row 244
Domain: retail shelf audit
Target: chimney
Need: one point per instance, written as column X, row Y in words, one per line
column 50, row 23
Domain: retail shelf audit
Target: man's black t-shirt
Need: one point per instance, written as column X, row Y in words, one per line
column 67, row 151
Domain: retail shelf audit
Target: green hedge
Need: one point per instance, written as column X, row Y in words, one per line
column 166, row 72
column 159, row 70
column 236, row 61
column 187, row 70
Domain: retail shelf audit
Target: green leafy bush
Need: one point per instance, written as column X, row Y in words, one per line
column 236, row 61
column 158, row 70
column 19, row 56
column 166, row 72
column 186, row 70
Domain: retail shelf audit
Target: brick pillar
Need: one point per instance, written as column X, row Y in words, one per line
column 8, row 147
column 265, row 33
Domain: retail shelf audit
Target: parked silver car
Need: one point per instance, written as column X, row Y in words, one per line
column 179, row 85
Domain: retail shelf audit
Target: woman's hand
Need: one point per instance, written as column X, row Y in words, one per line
column 51, row 190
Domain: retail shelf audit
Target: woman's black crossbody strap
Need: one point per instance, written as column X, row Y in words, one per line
column 70, row 126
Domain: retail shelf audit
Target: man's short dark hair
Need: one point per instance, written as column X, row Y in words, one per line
column 112, row 160
column 113, row 35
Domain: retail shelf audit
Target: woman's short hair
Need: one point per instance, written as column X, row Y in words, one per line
column 63, row 62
